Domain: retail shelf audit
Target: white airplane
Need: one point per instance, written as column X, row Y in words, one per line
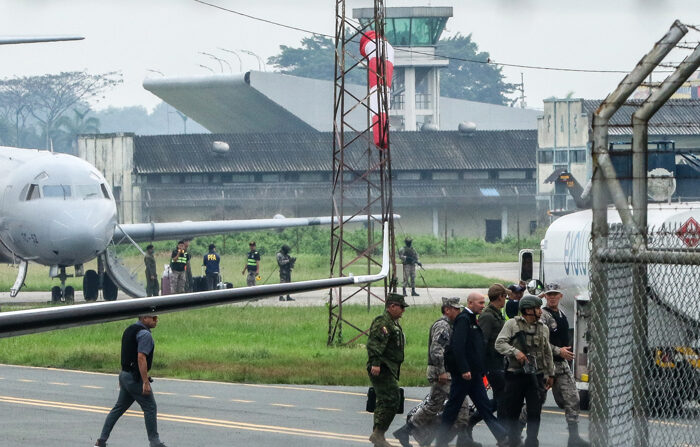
column 674, row 304
column 57, row 210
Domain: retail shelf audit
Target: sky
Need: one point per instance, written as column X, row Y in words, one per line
column 168, row 36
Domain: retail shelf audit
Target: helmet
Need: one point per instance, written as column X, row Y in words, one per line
column 529, row 302
column 285, row 248
column 408, row 241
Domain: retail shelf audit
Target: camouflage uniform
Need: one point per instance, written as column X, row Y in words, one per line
column 426, row 417
column 385, row 349
column 151, row 275
column 409, row 258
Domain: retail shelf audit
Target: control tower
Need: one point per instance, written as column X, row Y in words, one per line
column 414, row 33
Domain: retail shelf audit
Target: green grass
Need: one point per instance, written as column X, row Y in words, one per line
column 234, row 344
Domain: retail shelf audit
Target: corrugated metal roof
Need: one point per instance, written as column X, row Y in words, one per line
column 309, row 152
column 676, row 117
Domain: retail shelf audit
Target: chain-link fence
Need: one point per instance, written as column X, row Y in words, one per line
column 645, row 337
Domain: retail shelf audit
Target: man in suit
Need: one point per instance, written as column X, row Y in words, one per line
column 467, row 368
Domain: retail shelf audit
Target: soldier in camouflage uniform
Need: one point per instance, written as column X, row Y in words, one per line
column 524, row 340
column 564, row 387
column 151, row 273
column 409, row 258
column 424, row 421
column 385, row 347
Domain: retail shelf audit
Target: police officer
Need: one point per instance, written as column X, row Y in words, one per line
column 179, row 260
column 467, row 348
column 211, row 263
column 409, row 258
column 564, row 386
column 285, row 264
column 511, row 308
column 151, row 273
column 385, row 347
column 524, row 340
column 134, row 382
column 422, row 421
column 252, row 265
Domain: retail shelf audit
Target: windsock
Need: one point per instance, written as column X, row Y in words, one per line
column 368, row 50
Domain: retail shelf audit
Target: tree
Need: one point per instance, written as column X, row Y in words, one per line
column 67, row 129
column 473, row 81
column 315, row 59
column 48, row 97
column 15, row 110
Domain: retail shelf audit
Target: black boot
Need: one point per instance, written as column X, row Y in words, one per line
column 404, row 291
column 402, row 434
column 282, row 298
column 413, row 292
column 574, row 439
column 289, row 298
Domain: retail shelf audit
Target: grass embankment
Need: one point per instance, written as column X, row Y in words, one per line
column 234, row 344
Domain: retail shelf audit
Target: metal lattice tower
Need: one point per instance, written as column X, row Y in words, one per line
column 361, row 182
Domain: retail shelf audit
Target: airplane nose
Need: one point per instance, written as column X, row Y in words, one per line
column 78, row 236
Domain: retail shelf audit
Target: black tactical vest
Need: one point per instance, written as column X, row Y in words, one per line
column 130, row 349
column 558, row 336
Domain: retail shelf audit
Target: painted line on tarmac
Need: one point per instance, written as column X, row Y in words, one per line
column 191, row 420
column 317, row 390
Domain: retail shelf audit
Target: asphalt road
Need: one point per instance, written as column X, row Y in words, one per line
column 61, row 408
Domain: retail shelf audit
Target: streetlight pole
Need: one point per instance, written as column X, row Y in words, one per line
column 240, row 61
column 261, row 64
column 208, row 68
column 219, row 60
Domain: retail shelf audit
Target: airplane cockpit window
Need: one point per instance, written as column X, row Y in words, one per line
column 103, row 187
column 56, row 191
column 87, row 192
column 33, row 192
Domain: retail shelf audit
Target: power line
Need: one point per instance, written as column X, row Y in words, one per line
column 473, row 61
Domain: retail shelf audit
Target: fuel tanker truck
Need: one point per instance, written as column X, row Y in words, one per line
column 673, row 300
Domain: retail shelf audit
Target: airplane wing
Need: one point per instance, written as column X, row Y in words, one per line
column 49, row 318
column 11, row 40
column 148, row 232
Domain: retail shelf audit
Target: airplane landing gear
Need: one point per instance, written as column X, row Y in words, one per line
column 56, row 294
column 62, row 292
column 91, row 285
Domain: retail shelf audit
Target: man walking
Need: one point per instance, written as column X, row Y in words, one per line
column 211, row 263
column 385, row 346
column 422, row 422
column 151, row 273
column 179, row 260
column 409, row 258
column 252, row 265
column 491, row 322
column 564, row 386
column 468, row 350
column 134, row 382
column 524, row 340
column 285, row 264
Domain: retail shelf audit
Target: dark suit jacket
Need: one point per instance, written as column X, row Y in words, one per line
column 467, row 345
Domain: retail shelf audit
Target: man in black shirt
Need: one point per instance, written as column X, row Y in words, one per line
column 134, row 382
column 211, row 263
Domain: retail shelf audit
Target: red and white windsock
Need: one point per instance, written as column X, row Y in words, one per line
column 368, row 50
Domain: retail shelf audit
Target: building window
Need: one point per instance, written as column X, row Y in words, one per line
column 408, row 176
column 425, row 175
column 270, row 178
column 215, row 178
column 493, row 175
column 545, row 157
column 241, row 178
column 311, row 177
column 194, row 178
column 445, row 175
column 166, row 178
column 291, row 177
column 470, row 175
column 578, row 156
column 512, row 174
column 561, row 157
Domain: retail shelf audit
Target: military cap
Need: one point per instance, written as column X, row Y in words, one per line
column 452, row 302
column 408, row 240
column 552, row 288
column 529, row 302
column 396, row 298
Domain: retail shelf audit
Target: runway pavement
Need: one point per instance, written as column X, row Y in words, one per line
column 62, row 408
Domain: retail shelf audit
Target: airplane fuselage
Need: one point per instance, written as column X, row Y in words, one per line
column 55, row 209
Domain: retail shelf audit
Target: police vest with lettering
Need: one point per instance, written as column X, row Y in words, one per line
column 130, row 348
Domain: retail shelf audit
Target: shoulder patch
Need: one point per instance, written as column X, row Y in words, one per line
column 384, row 330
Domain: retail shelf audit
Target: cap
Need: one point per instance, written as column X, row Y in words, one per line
column 496, row 290
column 396, row 298
column 148, row 315
column 251, row 243
column 408, row 240
column 212, row 246
column 149, row 246
column 516, row 288
column 552, row 288
column 452, row 302
column 529, row 302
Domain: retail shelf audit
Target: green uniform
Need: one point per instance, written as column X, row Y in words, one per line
column 385, row 349
column 151, row 275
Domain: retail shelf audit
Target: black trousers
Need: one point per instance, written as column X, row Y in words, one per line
column 497, row 380
column 530, row 388
column 475, row 389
